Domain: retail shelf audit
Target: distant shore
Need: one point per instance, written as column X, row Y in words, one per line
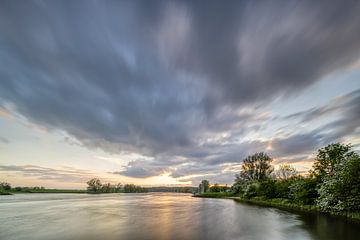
column 11, row 192
column 280, row 204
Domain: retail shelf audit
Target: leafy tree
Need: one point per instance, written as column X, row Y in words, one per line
column 256, row 167
column 282, row 187
column 267, row 189
column 204, row 186
column 131, row 188
column 303, row 191
column 217, row 188
column 5, row 186
column 107, row 188
column 328, row 157
column 341, row 190
column 94, row 185
column 118, row 187
column 250, row 190
column 285, row 172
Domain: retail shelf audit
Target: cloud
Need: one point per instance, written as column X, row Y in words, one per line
column 141, row 169
column 64, row 174
column 4, row 140
column 171, row 81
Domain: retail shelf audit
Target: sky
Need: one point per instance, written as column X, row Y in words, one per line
column 172, row 92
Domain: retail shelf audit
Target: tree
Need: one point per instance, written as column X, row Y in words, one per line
column 118, row 187
column 131, row 188
column 341, row 190
column 205, row 185
column 94, row 185
column 5, row 186
column 328, row 157
column 285, row 172
column 303, row 190
column 215, row 188
column 256, row 167
column 106, row 188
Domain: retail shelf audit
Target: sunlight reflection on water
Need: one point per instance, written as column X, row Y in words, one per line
column 156, row 216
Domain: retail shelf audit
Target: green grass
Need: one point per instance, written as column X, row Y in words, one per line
column 215, row 195
column 280, row 203
column 5, row 193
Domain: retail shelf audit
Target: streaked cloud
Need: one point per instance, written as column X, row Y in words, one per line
column 64, row 174
column 186, row 87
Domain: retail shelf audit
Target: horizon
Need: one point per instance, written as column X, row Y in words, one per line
column 165, row 94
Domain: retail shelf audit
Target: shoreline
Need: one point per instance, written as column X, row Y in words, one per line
column 279, row 204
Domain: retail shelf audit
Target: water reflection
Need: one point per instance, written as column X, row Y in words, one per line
column 157, row 216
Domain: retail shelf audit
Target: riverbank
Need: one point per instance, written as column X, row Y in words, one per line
column 43, row 191
column 5, row 193
column 281, row 204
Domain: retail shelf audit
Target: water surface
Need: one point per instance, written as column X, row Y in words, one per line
column 157, row 216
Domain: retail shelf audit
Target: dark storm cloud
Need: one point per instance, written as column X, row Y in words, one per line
column 161, row 77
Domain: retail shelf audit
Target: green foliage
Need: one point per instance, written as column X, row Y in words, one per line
column 94, row 185
column 256, row 167
column 131, row 188
column 217, row 188
column 4, row 186
column 285, row 172
column 216, row 194
column 250, row 190
column 185, row 189
column 267, row 189
column 204, row 186
column 282, row 188
column 328, row 157
column 341, row 190
column 303, row 191
column 333, row 184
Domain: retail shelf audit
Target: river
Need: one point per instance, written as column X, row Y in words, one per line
column 158, row 216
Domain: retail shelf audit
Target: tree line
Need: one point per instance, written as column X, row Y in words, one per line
column 332, row 185
column 95, row 186
column 205, row 187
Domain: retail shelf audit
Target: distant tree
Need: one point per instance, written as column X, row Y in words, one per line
column 118, row 187
column 5, row 186
column 129, row 188
column 215, row 188
column 94, row 185
column 205, row 185
column 106, row 188
column 285, row 172
column 328, row 157
column 256, row 167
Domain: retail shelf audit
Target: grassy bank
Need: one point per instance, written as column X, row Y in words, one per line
column 284, row 204
column 215, row 195
column 5, row 193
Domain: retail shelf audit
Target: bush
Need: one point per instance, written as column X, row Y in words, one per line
column 304, row 191
column 341, row 192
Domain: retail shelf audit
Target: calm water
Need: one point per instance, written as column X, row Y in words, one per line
column 157, row 216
